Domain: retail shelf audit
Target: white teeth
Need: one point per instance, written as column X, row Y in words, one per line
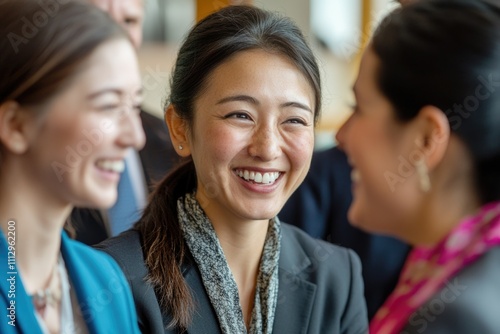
column 266, row 178
column 116, row 166
column 355, row 176
column 258, row 177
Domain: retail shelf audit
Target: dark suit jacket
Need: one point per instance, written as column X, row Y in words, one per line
column 468, row 304
column 157, row 157
column 319, row 207
column 320, row 287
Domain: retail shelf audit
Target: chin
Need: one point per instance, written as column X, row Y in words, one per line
column 101, row 200
column 106, row 203
column 356, row 220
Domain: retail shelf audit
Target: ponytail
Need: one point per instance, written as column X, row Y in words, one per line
column 163, row 244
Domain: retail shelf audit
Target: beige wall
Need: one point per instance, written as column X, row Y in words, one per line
column 337, row 74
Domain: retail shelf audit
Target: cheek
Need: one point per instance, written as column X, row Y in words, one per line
column 300, row 149
column 57, row 137
column 223, row 143
column 300, row 146
column 71, row 141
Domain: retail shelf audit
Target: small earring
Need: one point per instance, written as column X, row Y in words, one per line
column 423, row 175
column 180, row 147
column 17, row 147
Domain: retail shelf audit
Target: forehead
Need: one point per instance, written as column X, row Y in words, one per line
column 260, row 72
column 104, row 67
column 366, row 83
column 124, row 6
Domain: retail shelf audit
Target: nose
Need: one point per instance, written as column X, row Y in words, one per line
column 341, row 134
column 265, row 144
column 114, row 11
column 131, row 131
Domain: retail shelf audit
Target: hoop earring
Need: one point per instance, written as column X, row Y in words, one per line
column 423, row 176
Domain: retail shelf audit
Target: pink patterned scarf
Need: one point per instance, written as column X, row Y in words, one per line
column 427, row 270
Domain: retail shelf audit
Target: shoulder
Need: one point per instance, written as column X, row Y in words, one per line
column 330, row 267
column 321, row 253
column 468, row 302
column 92, row 266
column 102, row 290
column 333, row 272
column 126, row 250
column 82, row 254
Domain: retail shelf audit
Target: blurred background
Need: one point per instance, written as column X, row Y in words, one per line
column 336, row 29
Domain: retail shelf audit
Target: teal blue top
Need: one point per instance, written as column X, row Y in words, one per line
column 103, row 294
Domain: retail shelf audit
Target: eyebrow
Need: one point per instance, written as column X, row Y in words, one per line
column 111, row 90
column 254, row 101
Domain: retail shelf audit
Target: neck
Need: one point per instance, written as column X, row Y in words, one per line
column 452, row 198
column 38, row 225
column 242, row 245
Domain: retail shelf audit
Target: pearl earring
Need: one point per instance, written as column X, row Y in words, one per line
column 180, row 147
column 423, row 175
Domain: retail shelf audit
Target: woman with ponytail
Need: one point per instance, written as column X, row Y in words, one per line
column 209, row 254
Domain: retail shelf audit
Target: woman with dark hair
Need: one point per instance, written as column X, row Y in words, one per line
column 424, row 144
column 209, row 254
column 67, row 117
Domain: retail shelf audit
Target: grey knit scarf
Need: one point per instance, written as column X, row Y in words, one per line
column 216, row 275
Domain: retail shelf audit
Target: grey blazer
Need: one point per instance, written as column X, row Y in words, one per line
column 320, row 287
column 468, row 304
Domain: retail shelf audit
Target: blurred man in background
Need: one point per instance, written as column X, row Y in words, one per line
column 142, row 168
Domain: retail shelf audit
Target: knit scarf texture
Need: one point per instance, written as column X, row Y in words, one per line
column 217, row 277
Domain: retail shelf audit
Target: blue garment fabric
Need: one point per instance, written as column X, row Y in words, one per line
column 125, row 212
column 103, row 293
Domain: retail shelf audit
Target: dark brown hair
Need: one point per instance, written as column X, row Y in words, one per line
column 211, row 42
column 441, row 53
column 44, row 43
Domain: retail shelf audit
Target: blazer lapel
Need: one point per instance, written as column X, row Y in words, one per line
column 296, row 295
column 204, row 316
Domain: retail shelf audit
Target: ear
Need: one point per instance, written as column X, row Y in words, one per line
column 13, row 127
column 434, row 135
column 178, row 130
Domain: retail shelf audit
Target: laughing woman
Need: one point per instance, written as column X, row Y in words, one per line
column 66, row 121
column 209, row 255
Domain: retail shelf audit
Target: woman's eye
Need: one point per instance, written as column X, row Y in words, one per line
column 237, row 115
column 109, row 107
column 297, row 121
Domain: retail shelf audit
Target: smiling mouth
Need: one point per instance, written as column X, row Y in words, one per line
column 116, row 166
column 257, row 177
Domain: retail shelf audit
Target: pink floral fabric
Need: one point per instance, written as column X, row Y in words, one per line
column 428, row 269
